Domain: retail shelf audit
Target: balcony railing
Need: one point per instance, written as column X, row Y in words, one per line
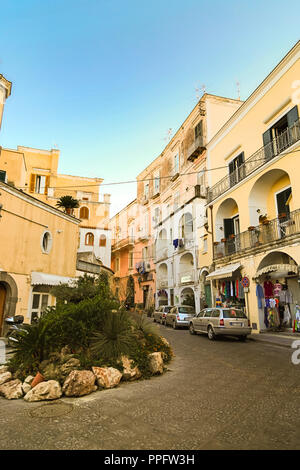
column 266, row 153
column 196, row 148
column 123, row 243
column 258, row 237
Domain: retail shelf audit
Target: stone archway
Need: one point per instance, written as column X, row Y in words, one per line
column 11, row 297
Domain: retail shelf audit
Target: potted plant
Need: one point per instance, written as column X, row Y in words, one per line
column 232, row 236
column 223, row 240
column 216, row 243
column 282, row 215
column 69, row 203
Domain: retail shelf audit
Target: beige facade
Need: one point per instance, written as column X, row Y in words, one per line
column 34, row 241
column 254, row 198
column 35, row 171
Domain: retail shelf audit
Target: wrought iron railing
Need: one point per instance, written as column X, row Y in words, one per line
column 277, row 229
column 266, row 153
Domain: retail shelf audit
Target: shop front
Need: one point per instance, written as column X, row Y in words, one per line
column 278, row 293
column 226, row 286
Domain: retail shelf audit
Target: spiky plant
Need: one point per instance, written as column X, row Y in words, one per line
column 116, row 337
column 69, row 203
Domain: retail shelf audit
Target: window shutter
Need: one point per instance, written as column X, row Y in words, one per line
column 292, row 116
column 32, row 183
column 47, row 184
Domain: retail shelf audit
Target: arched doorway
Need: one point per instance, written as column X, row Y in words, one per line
column 2, row 304
column 8, row 299
column 227, row 227
column 277, row 275
column 205, row 290
column 187, row 297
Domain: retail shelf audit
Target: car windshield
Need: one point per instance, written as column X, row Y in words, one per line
column 189, row 310
column 233, row 313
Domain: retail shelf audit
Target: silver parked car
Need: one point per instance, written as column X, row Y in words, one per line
column 180, row 316
column 159, row 315
column 221, row 321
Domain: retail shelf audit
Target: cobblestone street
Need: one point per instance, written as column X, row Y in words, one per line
column 217, row 395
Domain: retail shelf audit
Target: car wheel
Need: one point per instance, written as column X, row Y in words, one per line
column 192, row 329
column 210, row 333
column 174, row 325
column 243, row 338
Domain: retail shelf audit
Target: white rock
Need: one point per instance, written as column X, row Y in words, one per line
column 3, row 369
column 49, row 390
column 26, row 388
column 129, row 372
column 79, row 383
column 156, row 363
column 29, row 379
column 12, row 389
column 107, row 377
column 5, row 377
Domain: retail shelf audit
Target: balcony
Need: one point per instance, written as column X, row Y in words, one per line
column 257, row 160
column 197, row 147
column 123, row 243
column 174, row 173
column 161, row 253
column 277, row 231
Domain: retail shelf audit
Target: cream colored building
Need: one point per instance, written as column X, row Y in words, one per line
column 35, row 171
column 38, row 246
column 254, row 200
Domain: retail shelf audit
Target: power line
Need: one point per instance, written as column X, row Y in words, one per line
column 206, row 170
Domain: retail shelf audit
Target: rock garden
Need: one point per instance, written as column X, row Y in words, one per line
column 87, row 342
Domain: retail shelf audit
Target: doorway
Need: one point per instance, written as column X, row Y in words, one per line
column 2, row 305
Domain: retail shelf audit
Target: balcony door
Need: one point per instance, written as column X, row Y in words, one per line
column 282, row 134
column 231, row 227
column 283, row 210
column 237, row 169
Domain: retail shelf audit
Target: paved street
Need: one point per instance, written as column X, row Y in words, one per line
column 217, row 395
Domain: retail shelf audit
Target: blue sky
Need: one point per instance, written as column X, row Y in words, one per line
column 104, row 80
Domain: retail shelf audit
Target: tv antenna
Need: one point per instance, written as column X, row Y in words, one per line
column 169, row 134
column 238, row 90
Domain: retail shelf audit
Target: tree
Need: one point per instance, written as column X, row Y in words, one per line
column 69, row 203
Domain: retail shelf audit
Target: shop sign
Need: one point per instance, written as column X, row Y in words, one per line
column 245, row 282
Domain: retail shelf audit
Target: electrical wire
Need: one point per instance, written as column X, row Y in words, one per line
column 205, row 170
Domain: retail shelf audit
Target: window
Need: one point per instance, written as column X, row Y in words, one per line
column 205, row 245
column 39, row 303
column 186, row 225
column 145, row 253
column 46, row 243
column 117, row 264
column 157, row 183
column 199, row 129
column 3, row 176
column 176, row 200
column 146, row 190
column 237, row 169
column 89, row 239
column 176, row 163
column 130, row 260
column 282, row 134
column 84, row 213
column 102, row 241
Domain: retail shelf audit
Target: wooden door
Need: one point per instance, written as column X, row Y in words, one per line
column 2, row 304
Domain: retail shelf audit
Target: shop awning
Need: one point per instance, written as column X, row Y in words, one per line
column 282, row 268
column 224, row 272
column 49, row 279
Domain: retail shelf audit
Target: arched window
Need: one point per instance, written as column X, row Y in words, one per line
column 89, row 239
column 102, row 241
column 84, row 213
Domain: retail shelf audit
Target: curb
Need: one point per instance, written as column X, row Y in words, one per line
column 274, row 343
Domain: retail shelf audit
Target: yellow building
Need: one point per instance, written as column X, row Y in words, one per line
column 254, row 201
column 38, row 245
column 35, row 171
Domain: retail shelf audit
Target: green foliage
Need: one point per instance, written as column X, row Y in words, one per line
column 67, row 202
column 115, row 338
column 85, row 287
